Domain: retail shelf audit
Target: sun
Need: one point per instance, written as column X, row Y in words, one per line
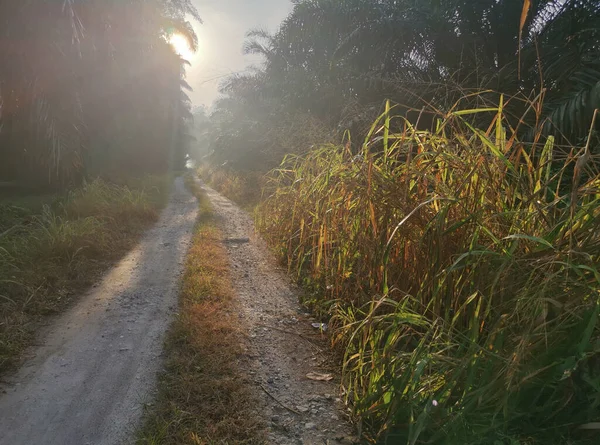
column 181, row 46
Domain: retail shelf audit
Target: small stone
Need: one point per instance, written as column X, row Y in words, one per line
column 302, row 409
column 310, row 426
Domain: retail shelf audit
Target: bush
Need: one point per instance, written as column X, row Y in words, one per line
column 460, row 275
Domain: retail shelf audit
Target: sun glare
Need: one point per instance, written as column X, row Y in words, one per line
column 181, row 46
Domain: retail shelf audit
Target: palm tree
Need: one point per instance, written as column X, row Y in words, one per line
column 474, row 44
column 89, row 87
column 568, row 54
column 338, row 60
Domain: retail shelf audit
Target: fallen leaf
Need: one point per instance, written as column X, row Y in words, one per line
column 320, row 326
column 319, row 377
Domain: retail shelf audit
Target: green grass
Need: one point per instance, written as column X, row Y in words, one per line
column 460, row 275
column 54, row 246
column 204, row 398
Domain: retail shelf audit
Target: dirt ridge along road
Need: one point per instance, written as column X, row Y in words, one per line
column 97, row 364
column 280, row 352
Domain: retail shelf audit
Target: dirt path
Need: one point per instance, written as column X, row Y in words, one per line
column 96, row 367
column 282, row 345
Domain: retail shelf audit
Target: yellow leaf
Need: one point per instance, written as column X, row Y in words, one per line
column 526, row 7
column 524, row 14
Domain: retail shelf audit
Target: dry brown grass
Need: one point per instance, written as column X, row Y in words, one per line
column 203, row 396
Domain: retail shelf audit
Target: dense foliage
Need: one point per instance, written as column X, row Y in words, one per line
column 460, row 275
column 332, row 63
column 90, row 88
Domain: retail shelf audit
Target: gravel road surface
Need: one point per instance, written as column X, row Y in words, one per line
column 284, row 351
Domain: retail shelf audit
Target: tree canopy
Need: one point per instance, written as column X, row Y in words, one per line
column 91, row 88
column 334, row 62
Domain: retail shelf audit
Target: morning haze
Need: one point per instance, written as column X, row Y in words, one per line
column 220, row 40
column 384, row 230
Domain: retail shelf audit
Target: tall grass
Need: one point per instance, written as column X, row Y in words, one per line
column 53, row 247
column 460, row 273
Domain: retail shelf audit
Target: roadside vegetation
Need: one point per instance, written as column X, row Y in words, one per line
column 203, row 396
column 54, row 246
column 460, row 274
column 438, row 196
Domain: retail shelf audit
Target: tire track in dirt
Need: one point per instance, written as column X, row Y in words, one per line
column 97, row 364
column 282, row 346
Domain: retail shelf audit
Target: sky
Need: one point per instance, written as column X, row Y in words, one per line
column 220, row 40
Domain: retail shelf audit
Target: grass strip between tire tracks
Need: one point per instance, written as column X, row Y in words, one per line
column 203, row 397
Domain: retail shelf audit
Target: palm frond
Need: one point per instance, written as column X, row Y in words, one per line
column 572, row 115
